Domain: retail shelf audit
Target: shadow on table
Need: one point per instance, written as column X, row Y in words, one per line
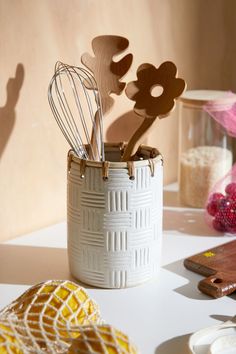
column 28, row 265
column 187, row 221
column 176, row 345
column 221, row 318
column 189, row 290
column 171, row 199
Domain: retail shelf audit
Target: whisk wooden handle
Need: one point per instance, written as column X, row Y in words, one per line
column 95, row 145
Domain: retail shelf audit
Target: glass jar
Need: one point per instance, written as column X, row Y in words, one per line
column 205, row 149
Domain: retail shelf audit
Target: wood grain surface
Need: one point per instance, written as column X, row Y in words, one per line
column 219, row 266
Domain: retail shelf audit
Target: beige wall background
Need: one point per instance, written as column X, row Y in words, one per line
column 198, row 35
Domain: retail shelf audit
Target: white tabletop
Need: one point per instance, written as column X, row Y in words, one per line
column 158, row 315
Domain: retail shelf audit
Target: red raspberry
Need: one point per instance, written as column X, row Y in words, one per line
column 212, row 207
column 224, row 203
column 230, row 188
column 227, row 214
column 232, row 196
column 218, row 225
column 214, row 204
column 216, row 196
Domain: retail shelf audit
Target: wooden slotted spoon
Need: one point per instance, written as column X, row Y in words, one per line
column 107, row 73
column 147, row 105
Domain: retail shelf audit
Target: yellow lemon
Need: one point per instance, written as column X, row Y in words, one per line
column 102, row 339
column 58, row 316
column 52, row 309
column 8, row 340
column 61, row 302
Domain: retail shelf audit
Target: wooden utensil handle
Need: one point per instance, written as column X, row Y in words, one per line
column 219, row 284
column 95, row 143
column 132, row 144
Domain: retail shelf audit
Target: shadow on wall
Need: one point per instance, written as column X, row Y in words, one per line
column 123, row 127
column 7, row 112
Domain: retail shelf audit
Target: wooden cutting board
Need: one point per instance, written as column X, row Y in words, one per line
column 219, row 266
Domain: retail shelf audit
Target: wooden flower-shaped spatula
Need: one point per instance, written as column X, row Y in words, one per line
column 147, row 105
column 107, row 72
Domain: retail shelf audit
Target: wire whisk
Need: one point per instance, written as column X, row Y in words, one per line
column 75, row 102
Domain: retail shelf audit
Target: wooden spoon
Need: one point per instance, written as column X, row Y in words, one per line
column 107, row 73
column 147, row 105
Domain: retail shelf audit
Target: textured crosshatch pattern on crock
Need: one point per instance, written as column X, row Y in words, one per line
column 116, row 240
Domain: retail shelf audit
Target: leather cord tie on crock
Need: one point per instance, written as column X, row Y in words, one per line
column 122, row 147
column 152, row 167
column 105, row 170
column 131, row 170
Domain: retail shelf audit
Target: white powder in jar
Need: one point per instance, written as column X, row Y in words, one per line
column 200, row 169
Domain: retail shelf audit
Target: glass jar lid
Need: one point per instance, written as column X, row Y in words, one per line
column 198, row 98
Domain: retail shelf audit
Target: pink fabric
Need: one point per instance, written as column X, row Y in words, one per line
column 224, row 115
column 220, row 210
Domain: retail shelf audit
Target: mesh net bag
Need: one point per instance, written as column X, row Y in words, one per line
column 58, row 317
column 46, row 316
column 102, row 339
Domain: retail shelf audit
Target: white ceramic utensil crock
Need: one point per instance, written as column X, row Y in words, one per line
column 115, row 218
